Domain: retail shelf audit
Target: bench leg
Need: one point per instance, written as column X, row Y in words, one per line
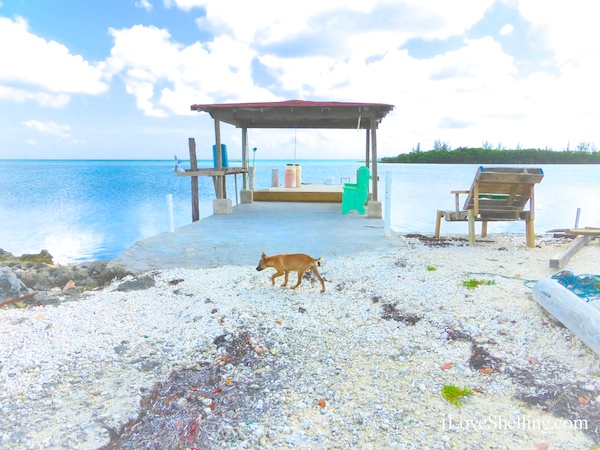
column 529, row 234
column 471, row 215
column 438, row 223
column 484, row 229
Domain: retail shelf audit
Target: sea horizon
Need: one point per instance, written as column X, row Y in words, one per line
column 81, row 210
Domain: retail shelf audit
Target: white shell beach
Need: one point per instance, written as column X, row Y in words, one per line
column 361, row 366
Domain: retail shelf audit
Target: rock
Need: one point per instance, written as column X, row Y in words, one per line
column 10, row 286
column 137, row 284
column 38, row 281
column 27, row 273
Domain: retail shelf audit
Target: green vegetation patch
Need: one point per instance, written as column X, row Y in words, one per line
column 454, row 394
column 585, row 153
column 473, row 283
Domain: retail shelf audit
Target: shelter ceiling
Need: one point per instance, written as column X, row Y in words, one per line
column 297, row 114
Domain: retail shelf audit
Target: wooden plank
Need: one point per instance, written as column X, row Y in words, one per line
column 507, row 177
column 211, row 172
column 581, row 318
column 563, row 257
column 585, row 231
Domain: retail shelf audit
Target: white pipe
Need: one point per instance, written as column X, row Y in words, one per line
column 577, row 218
column 170, row 212
column 251, row 174
column 387, row 228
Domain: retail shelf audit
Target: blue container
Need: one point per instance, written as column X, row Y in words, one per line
column 224, row 159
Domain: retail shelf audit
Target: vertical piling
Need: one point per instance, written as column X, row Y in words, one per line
column 387, row 226
column 195, row 194
column 170, row 212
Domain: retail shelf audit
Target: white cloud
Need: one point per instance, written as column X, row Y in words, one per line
column 464, row 96
column 51, row 128
column 266, row 22
column 42, row 98
column 506, row 29
column 569, row 29
column 185, row 5
column 144, row 4
column 45, row 71
column 167, row 77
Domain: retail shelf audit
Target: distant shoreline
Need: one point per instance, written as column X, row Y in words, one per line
column 489, row 156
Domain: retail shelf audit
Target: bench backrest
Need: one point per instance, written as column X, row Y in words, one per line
column 498, row 190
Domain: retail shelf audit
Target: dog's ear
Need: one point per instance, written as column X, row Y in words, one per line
column 263, row 255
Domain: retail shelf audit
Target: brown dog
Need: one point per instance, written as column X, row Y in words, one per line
column 284, row 264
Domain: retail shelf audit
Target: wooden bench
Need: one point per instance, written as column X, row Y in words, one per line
column 497, row 194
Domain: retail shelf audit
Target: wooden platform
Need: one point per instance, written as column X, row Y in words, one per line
column 318, row 193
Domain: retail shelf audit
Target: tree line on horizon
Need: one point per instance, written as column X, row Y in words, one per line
column 585, row 153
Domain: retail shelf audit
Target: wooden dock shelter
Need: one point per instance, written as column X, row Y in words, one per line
column 284, row 114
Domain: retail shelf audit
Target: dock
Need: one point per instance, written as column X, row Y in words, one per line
column 238, row 239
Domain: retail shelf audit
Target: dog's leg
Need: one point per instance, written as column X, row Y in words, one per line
column 285, row 281
column 300, row 275
column 316, row 273
column 277, row 274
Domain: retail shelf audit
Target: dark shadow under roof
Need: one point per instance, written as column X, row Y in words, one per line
column 297, row 114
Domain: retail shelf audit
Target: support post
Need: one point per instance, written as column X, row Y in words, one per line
column 438, row 222
column 219, row 156
column 368, row 148
column 529, row 234
column 471, row 217
column 374, row 178
column 245, row 157
column 529, row 228
column 193, row 168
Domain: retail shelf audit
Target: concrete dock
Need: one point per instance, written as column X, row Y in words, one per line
column 318, row 229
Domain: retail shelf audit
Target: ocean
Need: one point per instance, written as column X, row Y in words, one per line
column 82, row 210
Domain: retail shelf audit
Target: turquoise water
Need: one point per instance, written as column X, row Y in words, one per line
column 90, row 210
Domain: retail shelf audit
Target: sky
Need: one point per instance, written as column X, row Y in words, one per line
column 115, row 79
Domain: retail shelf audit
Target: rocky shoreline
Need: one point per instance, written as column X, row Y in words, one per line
column 38, row 281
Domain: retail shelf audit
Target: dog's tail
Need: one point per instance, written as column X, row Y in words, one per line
column 319, row 261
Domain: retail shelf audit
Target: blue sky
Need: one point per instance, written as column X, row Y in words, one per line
column 114, row 79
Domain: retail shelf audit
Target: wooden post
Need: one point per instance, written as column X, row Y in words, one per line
column 438, row 222
column 374, row 178
column 563, row 257
column 368, row 148
column 581, row 318
column 244, row 158
column 219, row 161
column 529, row 228
column 471, row 216
column 195, row 194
